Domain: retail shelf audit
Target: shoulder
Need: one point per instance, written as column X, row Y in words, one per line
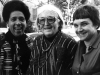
column 68, row 38
column 71, row 44
column 38, row 38
column 31, row 42
column 67, row 41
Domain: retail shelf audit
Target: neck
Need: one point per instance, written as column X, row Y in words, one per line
column 10, row 36
column 50, row 39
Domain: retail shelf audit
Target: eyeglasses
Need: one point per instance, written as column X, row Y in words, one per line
column 50, row 20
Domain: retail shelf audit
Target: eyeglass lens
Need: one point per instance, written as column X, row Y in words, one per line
column 50, row 20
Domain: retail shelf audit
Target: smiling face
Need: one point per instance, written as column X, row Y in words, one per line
column 48, row 22
column 17, row 23
column 84, row 29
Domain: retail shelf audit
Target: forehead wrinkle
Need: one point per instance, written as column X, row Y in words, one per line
column 47, row 13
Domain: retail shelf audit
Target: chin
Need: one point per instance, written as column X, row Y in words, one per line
column 83, row 39
column 48, row 35
column 18, row 34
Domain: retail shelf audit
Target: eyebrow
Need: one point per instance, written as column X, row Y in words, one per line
column 83, row 21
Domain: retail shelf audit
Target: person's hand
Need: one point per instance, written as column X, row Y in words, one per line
column 29, row 42
column 2, row 36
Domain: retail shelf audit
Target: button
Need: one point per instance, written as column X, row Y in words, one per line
column 77, row 72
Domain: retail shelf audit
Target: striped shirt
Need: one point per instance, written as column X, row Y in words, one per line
column 6, row 48
column 52, row 58
column 14, row 55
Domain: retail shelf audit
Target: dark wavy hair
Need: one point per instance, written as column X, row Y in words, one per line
column 87, row 11
column 15, row 5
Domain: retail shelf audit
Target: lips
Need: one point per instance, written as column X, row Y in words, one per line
column 48, row 27
column 82, row 33
column 18, row 29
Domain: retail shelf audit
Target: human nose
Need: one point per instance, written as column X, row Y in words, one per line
column 46, row 23
column 18, row 21
column 79, row 29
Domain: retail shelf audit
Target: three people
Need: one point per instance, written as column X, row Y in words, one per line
column 87, row 59
column 14, row 51
column 53, row 52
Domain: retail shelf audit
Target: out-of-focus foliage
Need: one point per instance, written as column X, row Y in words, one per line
column 62, row 4
column 97, row 2
column 2, row 2
column 40, row 4
column 3, row 24
column 74, row 2
column 66, row 5
column 83, row 1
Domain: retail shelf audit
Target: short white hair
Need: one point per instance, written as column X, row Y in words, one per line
column 50, row 7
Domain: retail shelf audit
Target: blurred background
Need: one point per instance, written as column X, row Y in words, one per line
column 66, row 6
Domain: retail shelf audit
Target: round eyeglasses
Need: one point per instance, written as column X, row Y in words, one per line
column 49, row 20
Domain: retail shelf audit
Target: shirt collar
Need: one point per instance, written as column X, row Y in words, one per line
column 95, row 41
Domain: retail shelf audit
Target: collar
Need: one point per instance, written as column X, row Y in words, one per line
column 10, row 37
column 95, row 41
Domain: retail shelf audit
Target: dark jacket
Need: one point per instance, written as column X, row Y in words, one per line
column 14, row 55
column 53, row 56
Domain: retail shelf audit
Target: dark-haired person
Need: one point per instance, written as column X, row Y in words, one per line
column 14, row 51
column 87, row 59
column 52, row 52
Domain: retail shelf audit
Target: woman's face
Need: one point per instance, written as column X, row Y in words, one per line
column 17, row 23
column 48, row 22
column 84, row 29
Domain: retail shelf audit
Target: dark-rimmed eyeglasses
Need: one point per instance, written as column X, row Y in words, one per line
column 50, row 20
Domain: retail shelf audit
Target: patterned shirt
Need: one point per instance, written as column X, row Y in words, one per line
column 14, row 55
column 52, row 58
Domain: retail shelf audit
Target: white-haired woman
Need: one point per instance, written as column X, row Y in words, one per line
column 52, row 52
